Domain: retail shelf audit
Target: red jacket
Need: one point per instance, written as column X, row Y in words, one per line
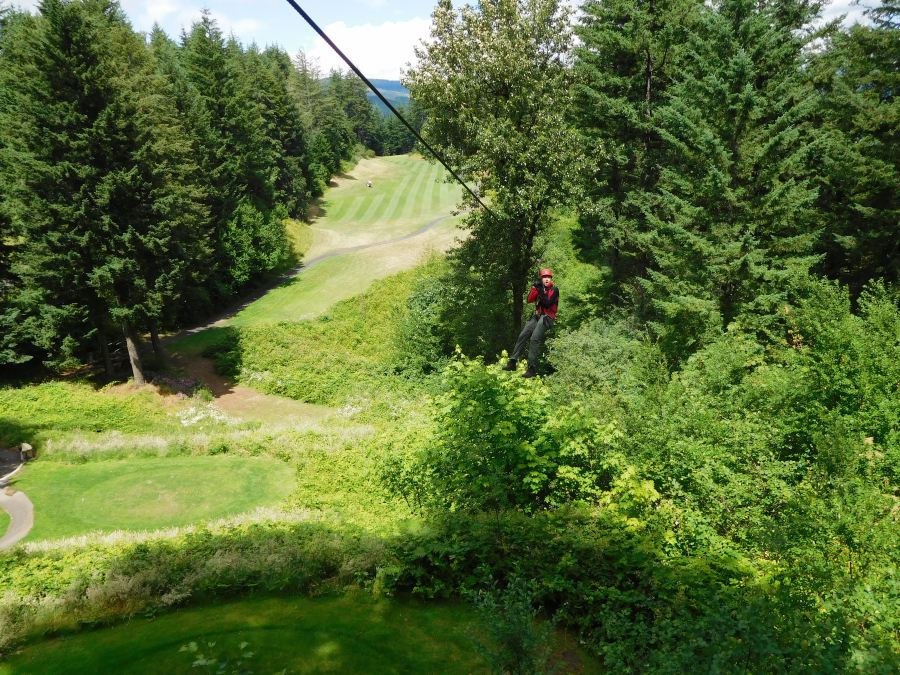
column 547, row 299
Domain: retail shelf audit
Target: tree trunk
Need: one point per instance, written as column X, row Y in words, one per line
column 134, row 355
column 518, row 289
column 157, row 348
column 104, row 349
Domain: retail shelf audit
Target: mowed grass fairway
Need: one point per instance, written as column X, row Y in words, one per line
column 147, row 494
column 348, row 635
column 406, row 197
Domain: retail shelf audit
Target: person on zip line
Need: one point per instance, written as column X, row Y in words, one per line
column 546, row 298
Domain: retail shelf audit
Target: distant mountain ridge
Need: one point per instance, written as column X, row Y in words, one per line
column 392, row 90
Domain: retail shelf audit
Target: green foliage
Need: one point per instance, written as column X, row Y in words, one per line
column 30, row 410
column 513, row 645
column 96, row 176
column 494, row 442
column 715, row 213
column 105, row 579
column 857, row 148
column 368, row 348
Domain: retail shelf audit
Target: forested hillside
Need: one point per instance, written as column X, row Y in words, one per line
column 704, row 476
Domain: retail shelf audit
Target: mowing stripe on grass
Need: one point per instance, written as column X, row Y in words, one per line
column 369, row 215
column 428, row 197
column 390, row 210
column 413, row 202
column 354, row 205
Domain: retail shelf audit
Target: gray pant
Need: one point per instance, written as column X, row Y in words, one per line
column 534, row 331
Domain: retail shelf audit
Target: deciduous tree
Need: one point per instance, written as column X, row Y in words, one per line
column 495, row 84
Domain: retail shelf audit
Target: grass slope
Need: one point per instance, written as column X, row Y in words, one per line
column 146, row 494
column 4, row 522
column 339, row 635
column 406, row 196
column 32, row 413
column 344, row 276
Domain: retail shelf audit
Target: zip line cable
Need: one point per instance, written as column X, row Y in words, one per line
column 371, row 86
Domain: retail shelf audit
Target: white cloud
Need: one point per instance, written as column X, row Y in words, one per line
column 853, row 11
column 378, row 51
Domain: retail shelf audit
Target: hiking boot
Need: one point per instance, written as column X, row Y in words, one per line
column 531, row 372
column 510, row 365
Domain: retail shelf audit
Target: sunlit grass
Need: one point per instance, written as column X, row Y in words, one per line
column 146, row 494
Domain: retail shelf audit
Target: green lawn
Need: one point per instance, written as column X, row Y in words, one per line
column 4, row 522
column 345, row 635
column 406, row 195
column 147, row 494
column 343, row 276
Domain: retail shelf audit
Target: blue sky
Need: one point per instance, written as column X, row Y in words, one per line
column 378, row 35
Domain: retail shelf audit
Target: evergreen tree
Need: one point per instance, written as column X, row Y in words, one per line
column 236, row 155
column 331, row 138
column 93, row 174
column 857, row 77
column 396, row 138
column 363, row 117
column 630, row 53
column 287, row 130
column 728, row 216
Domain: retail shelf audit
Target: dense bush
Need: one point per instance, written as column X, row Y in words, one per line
column 109, row 578
column 492, row 441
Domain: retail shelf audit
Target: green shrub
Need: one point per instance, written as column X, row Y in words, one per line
column 506, row 635
column 493, row 441
column 28, row 412
column 105, row 579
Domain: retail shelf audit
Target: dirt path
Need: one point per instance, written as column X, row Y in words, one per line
column 246, row 403
column 20, row 510
column 249, row 300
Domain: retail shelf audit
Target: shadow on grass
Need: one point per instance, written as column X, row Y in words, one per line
column 13, row 432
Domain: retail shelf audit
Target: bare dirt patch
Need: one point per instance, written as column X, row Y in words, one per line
column 246, row 403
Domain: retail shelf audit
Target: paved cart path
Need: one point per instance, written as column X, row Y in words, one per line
column 20, row 510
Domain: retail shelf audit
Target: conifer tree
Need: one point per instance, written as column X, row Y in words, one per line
column 93, row 171
column 286, row 128
column 364, row 118
column 236, row 155
column 331, row 138
column 630, row 53
column 858, row 148
column 729, row 216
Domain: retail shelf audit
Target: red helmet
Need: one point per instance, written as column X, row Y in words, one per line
column 546, row 272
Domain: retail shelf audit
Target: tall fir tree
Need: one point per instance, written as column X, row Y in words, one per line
column 629, row 55
column 331, row 138
column 363, row 117
column 93, row 170
column 235, row 154
column 286, row 129
column 727, row 215
column 857, row 77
